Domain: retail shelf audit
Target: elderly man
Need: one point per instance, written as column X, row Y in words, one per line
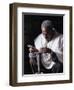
column 50, row 46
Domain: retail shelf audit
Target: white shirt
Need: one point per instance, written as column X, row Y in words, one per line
column 56, row 45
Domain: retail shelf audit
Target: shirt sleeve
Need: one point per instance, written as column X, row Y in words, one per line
column 37, row 43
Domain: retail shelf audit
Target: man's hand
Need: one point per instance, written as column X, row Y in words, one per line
column 32, row 49
column 45, row 50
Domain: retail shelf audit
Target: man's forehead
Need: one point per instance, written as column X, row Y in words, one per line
column 46, row 29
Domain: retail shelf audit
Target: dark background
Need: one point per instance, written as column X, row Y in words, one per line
column 32, row 28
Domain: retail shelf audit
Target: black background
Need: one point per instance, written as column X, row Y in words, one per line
column 32, row 28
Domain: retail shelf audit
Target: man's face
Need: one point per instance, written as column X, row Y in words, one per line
column 47, row 33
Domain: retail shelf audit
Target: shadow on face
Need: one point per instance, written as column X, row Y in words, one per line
column 47, row 32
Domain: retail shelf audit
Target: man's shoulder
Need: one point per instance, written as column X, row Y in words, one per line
column 38, row 37
column 58, row 35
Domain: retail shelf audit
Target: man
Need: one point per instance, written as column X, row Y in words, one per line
column 50, row 46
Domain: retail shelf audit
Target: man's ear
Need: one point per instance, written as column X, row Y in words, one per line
column 53, row 29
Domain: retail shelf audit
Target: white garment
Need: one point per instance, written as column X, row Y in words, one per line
column 56, row 45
